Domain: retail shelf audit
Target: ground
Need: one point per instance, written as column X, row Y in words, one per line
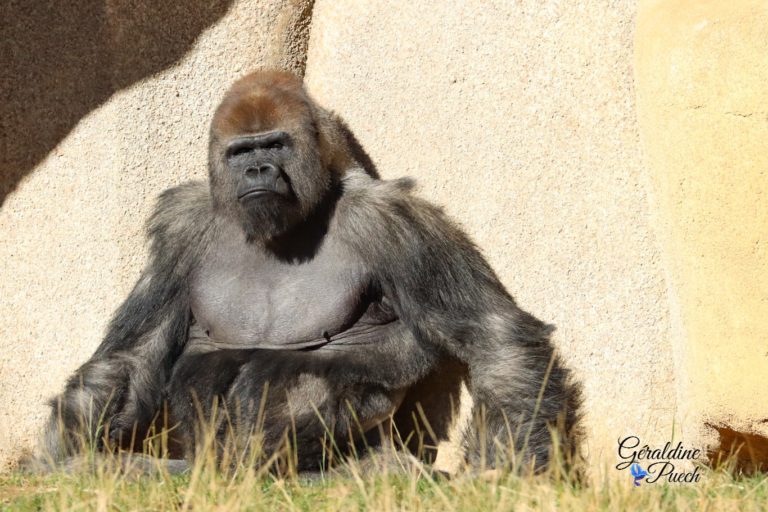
column 380, row 491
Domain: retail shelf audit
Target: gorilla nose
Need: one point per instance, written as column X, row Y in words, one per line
column 263, row 170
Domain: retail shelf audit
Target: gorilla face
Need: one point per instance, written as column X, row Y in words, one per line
column 258, row 165
column 260, row 187
column 266, row 160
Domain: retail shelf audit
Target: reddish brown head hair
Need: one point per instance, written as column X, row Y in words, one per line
column 262, row 101
column 272, row 99
column 313, row 164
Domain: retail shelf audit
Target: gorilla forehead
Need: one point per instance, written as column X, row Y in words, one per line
column 263, row 101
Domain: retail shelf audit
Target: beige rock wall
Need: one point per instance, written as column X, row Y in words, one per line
column 701, row 79
column 108, row 103
column 519, row 118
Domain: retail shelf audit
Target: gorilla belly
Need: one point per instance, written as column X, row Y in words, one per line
column 243, row 298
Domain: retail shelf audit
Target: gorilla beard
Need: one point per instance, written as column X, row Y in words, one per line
column 269, row 218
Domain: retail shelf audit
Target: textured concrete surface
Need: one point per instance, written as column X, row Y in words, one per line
column 519, row 118
column 104, row 105
column 701, row 81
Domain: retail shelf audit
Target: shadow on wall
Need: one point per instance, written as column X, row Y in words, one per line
column 747, row 452
column 60, row 60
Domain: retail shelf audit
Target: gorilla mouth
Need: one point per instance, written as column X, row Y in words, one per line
column 255, row 192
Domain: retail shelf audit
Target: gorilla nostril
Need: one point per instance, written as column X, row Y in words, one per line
column 263, row 169
column 267, row 168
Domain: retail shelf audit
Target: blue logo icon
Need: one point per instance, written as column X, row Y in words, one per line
column 638, row 473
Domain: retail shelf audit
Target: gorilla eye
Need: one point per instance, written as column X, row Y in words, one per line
column 240, row 151
column 242, row 146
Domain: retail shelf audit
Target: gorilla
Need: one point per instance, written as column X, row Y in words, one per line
column 307, row 297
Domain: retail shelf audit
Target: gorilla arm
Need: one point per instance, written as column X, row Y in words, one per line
column 122, row 384
column 447, row 294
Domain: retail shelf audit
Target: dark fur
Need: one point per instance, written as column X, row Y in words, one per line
column 449, row 302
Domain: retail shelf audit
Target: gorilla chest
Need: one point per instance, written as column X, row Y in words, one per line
column 243, row 298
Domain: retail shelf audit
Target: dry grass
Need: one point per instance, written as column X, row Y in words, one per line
column 404, row 485
column 382, row 482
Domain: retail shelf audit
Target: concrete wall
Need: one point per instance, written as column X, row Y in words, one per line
column 701, row 79
column 109, row 104
column 518, row 117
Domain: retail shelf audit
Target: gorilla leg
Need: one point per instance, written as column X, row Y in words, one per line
column 199, row 381
column 288, row 402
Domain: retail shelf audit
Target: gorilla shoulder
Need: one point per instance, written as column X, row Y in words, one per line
column 369, row 204
column 181, row 212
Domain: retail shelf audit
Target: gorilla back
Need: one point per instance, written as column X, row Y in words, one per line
column 310, row 296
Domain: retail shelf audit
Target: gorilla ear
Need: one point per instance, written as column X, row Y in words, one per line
column 334, row 142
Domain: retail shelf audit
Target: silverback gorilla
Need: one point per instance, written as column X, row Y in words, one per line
column 308, row 295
